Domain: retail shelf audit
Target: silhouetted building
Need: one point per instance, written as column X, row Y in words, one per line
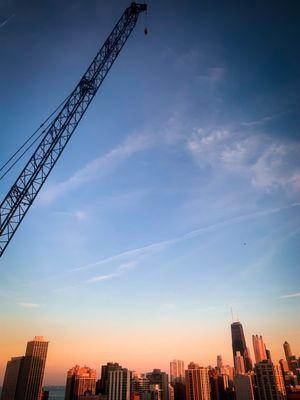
column 177, row 371
column 119, row 384
column 287, row 351
column 31, row 372
column 80, row 381
column 179, row 390
column 197, row 383
column 11, row 378
column 219, row 362
column 158, row 377
column 219, row 384
column 45, row 395
column 259, row 348
column 270, row 382
column 102, row 384
column 239, row 344
column 243, row 387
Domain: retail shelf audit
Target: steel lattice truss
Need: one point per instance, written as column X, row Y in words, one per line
column 25, row 189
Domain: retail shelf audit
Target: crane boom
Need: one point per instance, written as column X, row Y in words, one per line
column 26, row 187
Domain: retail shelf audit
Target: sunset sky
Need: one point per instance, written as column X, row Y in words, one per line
column 178, row 196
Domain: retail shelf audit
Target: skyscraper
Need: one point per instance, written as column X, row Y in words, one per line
column 80, row 381
column 244, row 387
column 158, row 377
column 105, row 369
column 288, row 353
column 177, row 371
column 259, row 348
column 119, row 384
column 239, row 344
column 269, row 381
column 11, row 378
column 219, row 362
column 239, row 364
column 31, row 372
column 197, row 383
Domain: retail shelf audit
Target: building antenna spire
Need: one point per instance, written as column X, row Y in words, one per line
column 231, row 314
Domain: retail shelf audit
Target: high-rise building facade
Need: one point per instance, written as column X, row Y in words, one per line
column 243, row 387
column 197, row 383
column 119, row 384
column 158, row 377
column 177, row 371
column 239, row 344
column 24, row 375
column 219, row 362
column 80, row 381
column 239, row 363
column 259, row 348
column 269, row 381
column 103, row 382
column 11, row 378
column 288, row 353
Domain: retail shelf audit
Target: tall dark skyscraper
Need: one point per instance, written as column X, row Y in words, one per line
column 103, row 384
column 239, row 344
column 11, row 378
column 24, row 375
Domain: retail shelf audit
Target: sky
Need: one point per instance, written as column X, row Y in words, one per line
column 178, row 197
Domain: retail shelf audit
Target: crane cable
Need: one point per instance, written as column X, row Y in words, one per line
column 28, row 140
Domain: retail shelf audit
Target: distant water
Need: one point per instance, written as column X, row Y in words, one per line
column 56, row 392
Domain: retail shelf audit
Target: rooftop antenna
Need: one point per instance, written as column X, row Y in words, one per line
column 237, row 317
column 231, row 314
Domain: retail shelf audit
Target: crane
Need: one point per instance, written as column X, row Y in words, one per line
column 59, row 131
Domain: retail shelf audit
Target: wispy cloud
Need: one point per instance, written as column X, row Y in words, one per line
column 119, row 271
column 268, row 164
column 29, row 305
column 143, row 251
column 100, row 278
column 289, row 296
column 259, row 121
column 4, row 22
column 100, row 167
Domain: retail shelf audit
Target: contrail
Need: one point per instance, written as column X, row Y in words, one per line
column 3, row 23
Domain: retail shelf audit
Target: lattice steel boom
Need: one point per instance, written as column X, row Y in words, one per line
column 25, row 189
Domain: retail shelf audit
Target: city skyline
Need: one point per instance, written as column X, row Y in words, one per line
column 178, row 196
column 266, row 379
column 58, row 378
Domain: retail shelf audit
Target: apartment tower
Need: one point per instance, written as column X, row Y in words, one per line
column 270, row 382
column 197, row 383
column 176, row 371
column 80, row 381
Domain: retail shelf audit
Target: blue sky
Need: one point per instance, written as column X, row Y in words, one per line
column 179, row 194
